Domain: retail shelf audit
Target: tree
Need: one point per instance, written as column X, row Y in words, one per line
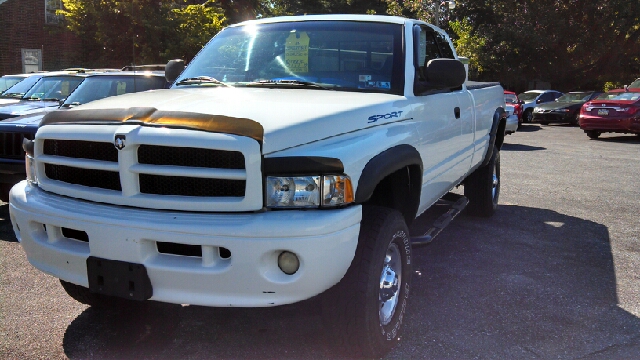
column 577, row 44
column 196, row 25
column 117, row 33
column 301, row 7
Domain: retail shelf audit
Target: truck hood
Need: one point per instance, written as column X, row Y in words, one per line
column 287, row 117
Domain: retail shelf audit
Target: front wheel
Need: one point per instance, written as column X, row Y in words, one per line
column 482, row 188
column 528, row 115
column 364, row 312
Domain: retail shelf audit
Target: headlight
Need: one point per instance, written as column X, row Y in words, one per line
column 308, row 191
column 29, row 161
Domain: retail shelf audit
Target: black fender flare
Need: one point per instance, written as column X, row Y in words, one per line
column 383, row 165
column 495, row 138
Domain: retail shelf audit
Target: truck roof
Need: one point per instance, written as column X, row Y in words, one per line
column 340, row 17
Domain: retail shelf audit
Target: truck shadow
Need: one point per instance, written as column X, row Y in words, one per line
column 528, row 283
column 529, row 127
column 520, row 147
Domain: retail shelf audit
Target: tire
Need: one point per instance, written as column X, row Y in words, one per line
column 482, row 188
column 576, row 121
column 82, row 295
column 4, row 192
column 528, row 115
column 592, row 134
column 544, row 122
column 364, row 312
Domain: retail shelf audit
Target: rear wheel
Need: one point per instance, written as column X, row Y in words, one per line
column 364, row 312
column 482, row 188
column 4, row 192
column 592, row 134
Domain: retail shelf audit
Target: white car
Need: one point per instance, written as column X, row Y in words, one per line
column 532, row 98
column 512, row 120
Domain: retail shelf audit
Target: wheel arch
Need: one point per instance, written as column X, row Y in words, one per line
column 497, row 134
column 393, row 179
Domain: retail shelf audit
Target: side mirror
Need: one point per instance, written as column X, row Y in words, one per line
column 445, row 73
column 538, row 101
column 173, row 69
column 441, row 74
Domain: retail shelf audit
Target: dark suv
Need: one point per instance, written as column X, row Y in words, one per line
column 94, row 87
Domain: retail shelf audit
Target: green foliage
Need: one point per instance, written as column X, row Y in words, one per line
column 573, row 44
column 468, row 44
column 117, row 33
column 577, row 44
column 612, row 85
column 195, row 26
column 300, row 7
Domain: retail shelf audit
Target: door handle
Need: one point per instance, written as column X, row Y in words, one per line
column 456, row 112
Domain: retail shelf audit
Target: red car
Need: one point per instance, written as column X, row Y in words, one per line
column 512, row 101
column 616, row 111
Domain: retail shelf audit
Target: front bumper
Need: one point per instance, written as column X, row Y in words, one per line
column 325, row 242
column 554, row 117
column 512, row 124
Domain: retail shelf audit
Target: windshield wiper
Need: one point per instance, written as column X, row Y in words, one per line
column 13, row 95
column 295, row 83
column 75, row 103
column 201, row 80
column 43, row 99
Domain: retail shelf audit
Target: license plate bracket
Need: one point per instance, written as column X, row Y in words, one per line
column 118, row 278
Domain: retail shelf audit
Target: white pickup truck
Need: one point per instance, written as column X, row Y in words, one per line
column 287, row 160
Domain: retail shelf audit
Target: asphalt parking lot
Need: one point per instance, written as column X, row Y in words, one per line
column 554, row 274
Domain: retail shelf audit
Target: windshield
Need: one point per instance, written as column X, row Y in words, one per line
column 574, row 97
column 527, row 96
column 53, row 88
column 98, row 87
column 8, row 81
column 340, row 55
column 18, row 90
column 510, row 98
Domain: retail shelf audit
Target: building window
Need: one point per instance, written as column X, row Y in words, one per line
column 50, row 16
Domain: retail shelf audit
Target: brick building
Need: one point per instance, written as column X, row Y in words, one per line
column 33, row 37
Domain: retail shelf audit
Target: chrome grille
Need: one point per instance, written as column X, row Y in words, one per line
column 187, row 156
column 186, row 186
column 216, row 172
column 86, row 177
column 81, row 149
